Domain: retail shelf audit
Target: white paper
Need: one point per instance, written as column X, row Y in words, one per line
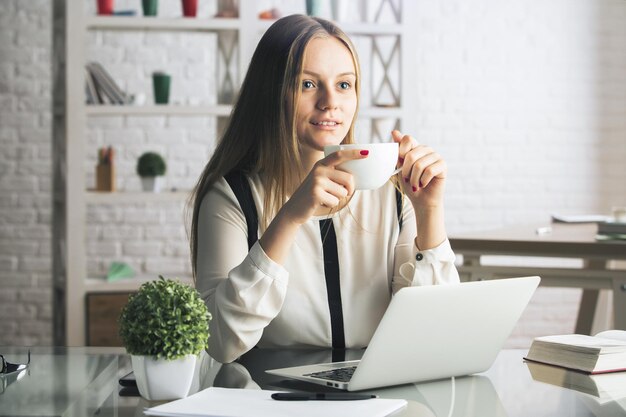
column 229, row 402
column 583, row 340
column 613, row 334
column 581, row 218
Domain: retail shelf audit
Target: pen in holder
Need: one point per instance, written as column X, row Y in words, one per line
column 105, row 170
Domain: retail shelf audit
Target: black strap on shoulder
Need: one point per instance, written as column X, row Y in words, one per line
column 241, row 187
column 399, row 201
column 333, row 287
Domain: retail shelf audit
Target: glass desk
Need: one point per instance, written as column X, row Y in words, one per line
column 84, row 382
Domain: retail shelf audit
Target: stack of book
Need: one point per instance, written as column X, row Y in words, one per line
column 611, row 230
column 593, row 365
column 100, row 87
column 605, row 352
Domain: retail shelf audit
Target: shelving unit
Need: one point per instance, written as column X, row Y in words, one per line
column 72, row 197
column 158, row 110
column 121, row 197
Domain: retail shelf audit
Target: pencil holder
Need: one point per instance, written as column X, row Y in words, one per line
column 105, row 177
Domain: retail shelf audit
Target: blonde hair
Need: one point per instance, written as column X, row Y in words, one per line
column 260, row 137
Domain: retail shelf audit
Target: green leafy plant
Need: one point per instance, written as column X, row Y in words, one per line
column 151, row 164
column 165, row 319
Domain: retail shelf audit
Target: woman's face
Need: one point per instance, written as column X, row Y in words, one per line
column 328, row 98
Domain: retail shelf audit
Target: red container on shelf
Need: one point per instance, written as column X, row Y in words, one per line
column 105, row 7
column 190, row 8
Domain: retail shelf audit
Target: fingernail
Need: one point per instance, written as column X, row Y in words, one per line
column 401, row 160
column 420, row 185
column 364, row 152
column 414, row 189
column 406, row 180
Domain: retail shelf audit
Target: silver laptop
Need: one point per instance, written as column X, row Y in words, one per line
column 430, row 333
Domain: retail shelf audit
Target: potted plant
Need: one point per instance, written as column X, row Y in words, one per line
column 150, row 166
column 164, row 327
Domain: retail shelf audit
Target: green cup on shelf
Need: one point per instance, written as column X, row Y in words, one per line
column 150, row 7
column 313, row 7
column 161, row 85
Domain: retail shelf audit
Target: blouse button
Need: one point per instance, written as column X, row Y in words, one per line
column 419, row 257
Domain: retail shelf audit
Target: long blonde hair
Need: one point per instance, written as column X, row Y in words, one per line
column 260, row 137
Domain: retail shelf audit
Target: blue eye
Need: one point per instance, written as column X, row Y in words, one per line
column 307, row 84
column 344, row 85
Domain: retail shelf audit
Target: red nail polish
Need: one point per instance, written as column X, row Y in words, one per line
column 401, row 160
column 414, row 189
column 406, row 180
column 365, row 152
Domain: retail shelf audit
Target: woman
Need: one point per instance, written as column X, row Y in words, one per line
column 328, row 258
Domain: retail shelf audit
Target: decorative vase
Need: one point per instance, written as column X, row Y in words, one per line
column 190, row 8
column 313, row 7
column 152, row 184
column 105, row 7
column 161, row 379
column 161, row 87
column 150, row 7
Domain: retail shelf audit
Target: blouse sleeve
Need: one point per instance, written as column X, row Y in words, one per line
column 244, row 290
column 414, row 267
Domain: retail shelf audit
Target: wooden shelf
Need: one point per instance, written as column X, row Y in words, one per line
column 356, row 29
column 123, row 197
column 161, row 23
column 159, row 110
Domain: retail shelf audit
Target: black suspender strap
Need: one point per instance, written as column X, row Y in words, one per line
column 399, row 201
column 241, row 187
column 333, row 289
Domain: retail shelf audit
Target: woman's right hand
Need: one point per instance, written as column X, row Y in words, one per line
column 324, row 187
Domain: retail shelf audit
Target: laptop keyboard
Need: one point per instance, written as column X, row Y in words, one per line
column 337, row 374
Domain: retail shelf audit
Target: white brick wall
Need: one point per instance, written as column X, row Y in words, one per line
column 526, row 100
column 25, row 168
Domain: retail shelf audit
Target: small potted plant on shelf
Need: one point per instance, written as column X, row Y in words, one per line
column 164, row 327
column 150, row 167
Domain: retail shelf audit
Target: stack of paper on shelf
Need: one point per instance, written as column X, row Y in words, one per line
column 228, row 402
column 592, row 354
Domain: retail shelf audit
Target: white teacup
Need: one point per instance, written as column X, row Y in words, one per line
column 371, row 172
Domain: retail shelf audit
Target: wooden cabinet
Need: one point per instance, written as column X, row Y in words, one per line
column 103, row 311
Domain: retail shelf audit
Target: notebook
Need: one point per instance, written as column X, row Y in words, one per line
column 226, row 402
column 429, row 333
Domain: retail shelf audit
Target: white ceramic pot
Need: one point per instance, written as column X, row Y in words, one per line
column 160, row 379
column 151, row 184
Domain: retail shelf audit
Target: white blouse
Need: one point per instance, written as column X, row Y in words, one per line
column 256, row 301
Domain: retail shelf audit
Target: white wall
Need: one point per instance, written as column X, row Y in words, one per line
column 25, row 173
column 526, row 100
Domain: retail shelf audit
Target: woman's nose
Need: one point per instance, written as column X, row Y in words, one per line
column 327, row 101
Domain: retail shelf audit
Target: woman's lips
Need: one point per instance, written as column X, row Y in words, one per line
column 326, row 124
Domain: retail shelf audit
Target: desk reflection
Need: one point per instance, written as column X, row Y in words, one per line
column 459, row 397
column 603, row 394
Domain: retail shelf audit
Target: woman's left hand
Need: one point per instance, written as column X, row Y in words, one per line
column 423, row 172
